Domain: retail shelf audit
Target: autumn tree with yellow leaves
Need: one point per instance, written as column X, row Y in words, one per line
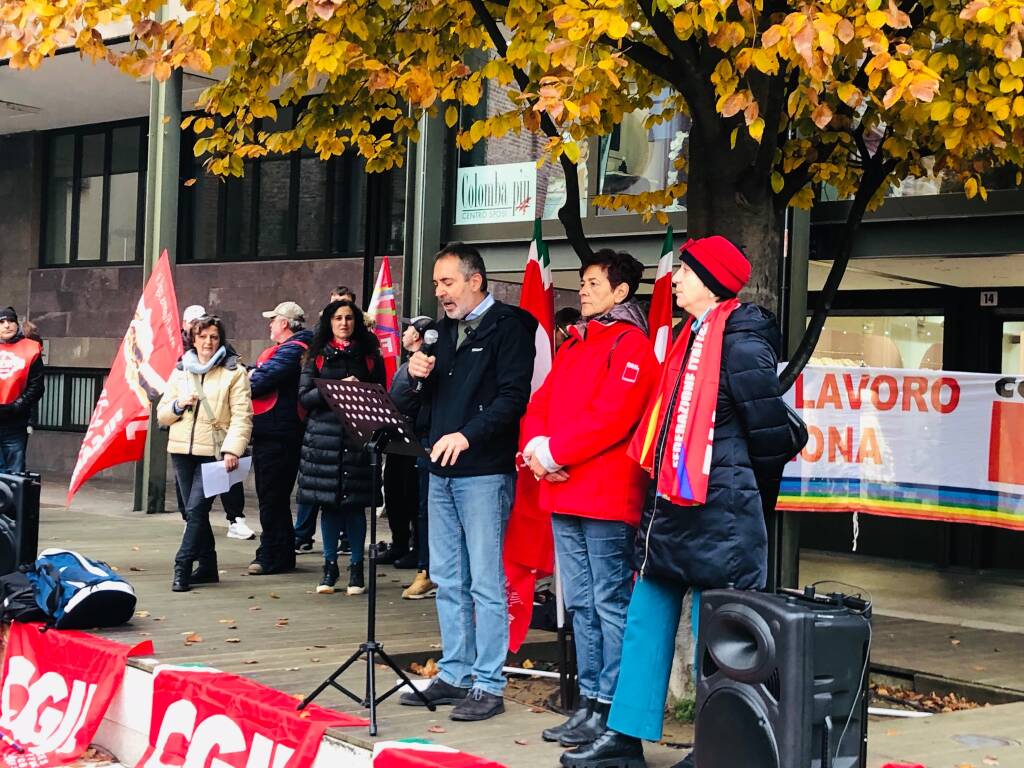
column 784, row 97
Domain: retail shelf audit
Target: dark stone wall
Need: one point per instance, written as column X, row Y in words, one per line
column 83, row 311
column 19, row 216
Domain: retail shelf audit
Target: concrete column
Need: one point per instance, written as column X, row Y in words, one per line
column 161, row 231
column 424, row 209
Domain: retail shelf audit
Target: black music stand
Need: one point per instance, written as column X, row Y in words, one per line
column 371, row 419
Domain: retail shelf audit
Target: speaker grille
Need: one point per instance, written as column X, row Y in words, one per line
column 733, row 732
column 773, row 686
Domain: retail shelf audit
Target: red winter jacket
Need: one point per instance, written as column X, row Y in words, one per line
column 589, row 406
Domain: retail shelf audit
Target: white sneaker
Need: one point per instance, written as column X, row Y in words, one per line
column 239, row 530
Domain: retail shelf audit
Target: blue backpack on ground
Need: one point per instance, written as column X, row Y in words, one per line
column 78, row 593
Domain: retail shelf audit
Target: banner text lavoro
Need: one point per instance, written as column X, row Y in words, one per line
column 932, row 445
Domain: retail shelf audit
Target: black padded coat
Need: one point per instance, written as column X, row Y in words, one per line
column 724, row 541
column 332, row 471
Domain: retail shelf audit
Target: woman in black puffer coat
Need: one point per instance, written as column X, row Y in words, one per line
column 333, row 472
column 716, row 436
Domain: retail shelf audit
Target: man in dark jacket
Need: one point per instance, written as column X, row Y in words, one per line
column 703, row 525
column 21, row 386
column 277, row 435
column 478, row 383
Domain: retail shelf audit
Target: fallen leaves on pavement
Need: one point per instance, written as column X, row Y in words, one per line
column 429, row 669
column 923, row 702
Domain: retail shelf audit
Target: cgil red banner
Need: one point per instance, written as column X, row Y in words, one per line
column 204, row 717
column 138, row 375
column 57, row 685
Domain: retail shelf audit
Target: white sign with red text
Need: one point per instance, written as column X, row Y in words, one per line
column 938, row 445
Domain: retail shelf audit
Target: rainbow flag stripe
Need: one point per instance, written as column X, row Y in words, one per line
column 910, row 500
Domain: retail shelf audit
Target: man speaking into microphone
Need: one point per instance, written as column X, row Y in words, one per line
column 476, row 383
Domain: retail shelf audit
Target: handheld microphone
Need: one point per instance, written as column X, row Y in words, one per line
column 429, row 340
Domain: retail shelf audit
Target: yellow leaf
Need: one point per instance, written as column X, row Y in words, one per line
column 877, row 19
column 897, row 69
column 777, row 182
column 940, row 110
column 451, row 116
column 572, row 150
column 971, row 187
column 757, row 129
column 732, row 137
column 617, row 27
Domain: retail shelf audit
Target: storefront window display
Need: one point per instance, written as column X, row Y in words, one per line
column 881, row 342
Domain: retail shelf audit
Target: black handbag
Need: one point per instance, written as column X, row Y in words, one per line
column 797, row 430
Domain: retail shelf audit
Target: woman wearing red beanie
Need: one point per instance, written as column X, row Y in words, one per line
column 715, row 431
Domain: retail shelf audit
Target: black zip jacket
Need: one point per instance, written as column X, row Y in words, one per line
column 480, row 390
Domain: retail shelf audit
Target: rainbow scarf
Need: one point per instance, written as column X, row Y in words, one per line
column 692, row 395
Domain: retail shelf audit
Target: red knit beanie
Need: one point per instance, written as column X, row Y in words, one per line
column 719, row 264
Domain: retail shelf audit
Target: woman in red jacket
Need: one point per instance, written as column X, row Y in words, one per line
column 577, row 429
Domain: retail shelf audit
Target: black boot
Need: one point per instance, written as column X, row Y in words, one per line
column 206, row 571
column 587, row 731
column 182, row 573
column 330, row 578
column 611, row 750
column 356, row 580
column 686, row 762
column 577, row 717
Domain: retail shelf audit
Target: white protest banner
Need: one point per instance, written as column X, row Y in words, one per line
column 931, row 445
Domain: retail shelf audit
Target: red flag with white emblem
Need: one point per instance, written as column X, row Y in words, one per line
column 383, row 311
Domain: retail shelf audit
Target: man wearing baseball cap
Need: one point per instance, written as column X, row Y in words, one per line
column 703, row 526
column 21, row 386
column 277, row 435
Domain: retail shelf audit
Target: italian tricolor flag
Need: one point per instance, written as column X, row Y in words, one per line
column 529, row 548
column 538, row 298
column 418, row 753
column 659, row 318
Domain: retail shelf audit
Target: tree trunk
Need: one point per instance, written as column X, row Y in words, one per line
column 715, row 207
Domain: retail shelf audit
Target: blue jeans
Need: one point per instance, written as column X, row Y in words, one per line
column 12, row 449
column 352, row 520
column 597, row 579
column 468, row 516
column 638, row 708
column 305, row 523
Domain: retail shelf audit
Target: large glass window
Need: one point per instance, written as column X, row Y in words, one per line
column 881, row 342
column 636, row 159
column 94, row 191
column 285, row 206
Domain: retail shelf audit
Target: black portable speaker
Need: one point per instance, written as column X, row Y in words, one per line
column 19, row 520
column 781, row 680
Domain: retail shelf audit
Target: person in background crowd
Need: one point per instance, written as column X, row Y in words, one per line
column 422, row 586
column 478, row 393
column 565, row 318
column 344, row 293
column 277, row 435
column 233, row 500
column 401, row 489
column 306, row 514
column 577, row 427
column 208, row 408
column 334, row 472
column 701, row 528
column 21, row 385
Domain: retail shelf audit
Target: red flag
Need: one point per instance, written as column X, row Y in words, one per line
column 206, row 717
column 57, row 686
column 385, row 319
column 529, row 547
column 147, row 356
column 659, row 317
